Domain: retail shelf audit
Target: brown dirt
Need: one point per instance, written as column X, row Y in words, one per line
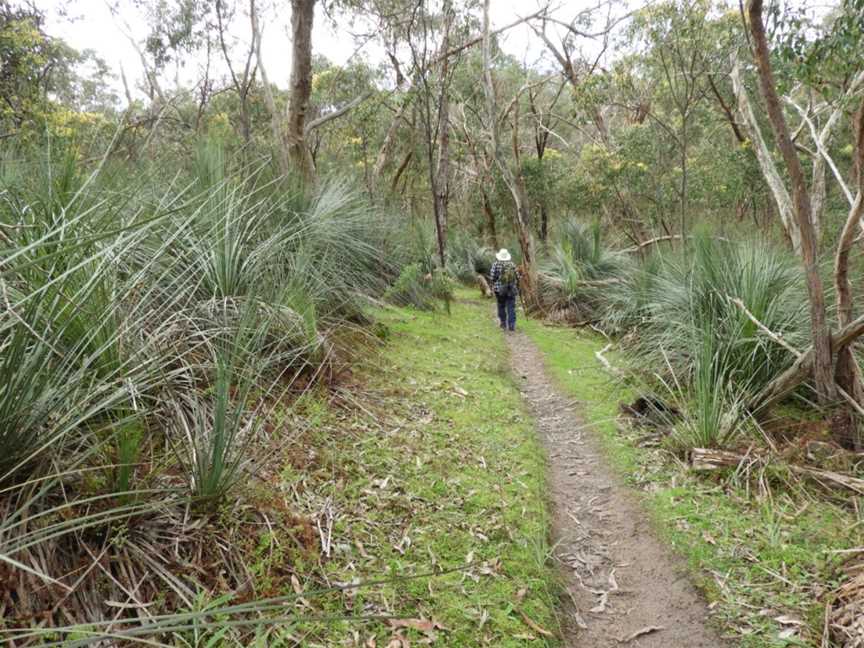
column 621, row 579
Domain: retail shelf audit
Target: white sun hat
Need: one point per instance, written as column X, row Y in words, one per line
column 503, row 255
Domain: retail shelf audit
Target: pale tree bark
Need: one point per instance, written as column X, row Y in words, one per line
column 766, row 162
column 275, row 121
column 302, row 17
column 821, row 157
column 823, row 367
column 442, row 167
column 514, row 180
column 389, row 144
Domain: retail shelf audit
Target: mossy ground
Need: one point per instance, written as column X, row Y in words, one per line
column 436, row 481
column 761, row 547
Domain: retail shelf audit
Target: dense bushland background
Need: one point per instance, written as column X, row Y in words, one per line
column 181, row 266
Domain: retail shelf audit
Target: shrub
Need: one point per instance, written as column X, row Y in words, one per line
column 467, row 257
column 144, row 318
column 412, row 288
column 579, row 271
column 688, row 299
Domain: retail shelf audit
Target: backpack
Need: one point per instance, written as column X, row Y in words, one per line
column 508, row 280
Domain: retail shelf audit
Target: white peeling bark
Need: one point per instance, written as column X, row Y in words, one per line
column 766, row 163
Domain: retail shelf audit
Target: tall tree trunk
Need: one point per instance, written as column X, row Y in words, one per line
column 275, row 121
column 544, row 222
column 490, row 219
column 684, row 146
column 727, row 111
column 847, row 372
column 514, row 180
column 766, row 161
column 823, row 370
column 819, row 194
column 442, row 167
column 302, row 16
column 386, row 150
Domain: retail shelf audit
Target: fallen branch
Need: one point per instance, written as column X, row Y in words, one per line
column 660, row 239
column 641, row 633
column 653, row 241
column 776, row 337
column 534, row 626
column 803, row 366
column 605, row 362
column 707, row 459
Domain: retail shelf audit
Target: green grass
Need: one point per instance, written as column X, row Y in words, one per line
column 757, row 555
column 446, row 477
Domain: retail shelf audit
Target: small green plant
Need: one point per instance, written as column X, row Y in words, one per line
column 579, row 270
column 412, row 288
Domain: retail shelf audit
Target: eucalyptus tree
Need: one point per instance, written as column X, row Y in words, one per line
column 829, row 360
column 511, row 172
column 678, row 43
column 242, row 76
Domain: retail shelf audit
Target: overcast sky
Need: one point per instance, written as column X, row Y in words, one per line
column 89, row 24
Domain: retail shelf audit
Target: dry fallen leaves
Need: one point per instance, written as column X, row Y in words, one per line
column 422, row 625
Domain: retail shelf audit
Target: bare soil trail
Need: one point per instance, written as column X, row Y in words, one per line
column 626, row 587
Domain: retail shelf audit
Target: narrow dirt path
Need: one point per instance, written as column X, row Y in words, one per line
column 626, row 587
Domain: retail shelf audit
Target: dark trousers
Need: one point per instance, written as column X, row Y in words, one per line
column 507, row 311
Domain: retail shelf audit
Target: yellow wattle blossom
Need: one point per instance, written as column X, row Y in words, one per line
column 65, row 122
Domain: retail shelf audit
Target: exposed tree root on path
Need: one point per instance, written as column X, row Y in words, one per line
column 625, row 586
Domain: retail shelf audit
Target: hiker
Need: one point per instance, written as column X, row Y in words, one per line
column 505, row 285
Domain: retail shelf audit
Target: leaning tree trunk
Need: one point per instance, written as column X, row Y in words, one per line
column 765, row 160
column 302, row 16
column 847, row 372
column 823, row 369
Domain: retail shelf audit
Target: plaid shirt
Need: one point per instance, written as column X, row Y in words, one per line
column 497, row 271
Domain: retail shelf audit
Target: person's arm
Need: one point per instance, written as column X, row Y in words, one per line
column 496, row 270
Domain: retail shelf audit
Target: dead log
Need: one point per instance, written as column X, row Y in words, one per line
column 707, row 459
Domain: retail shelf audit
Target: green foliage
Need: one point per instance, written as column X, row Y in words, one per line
column 467, row 257
column 712, row 406
column 579, row 270
column 823, row 53
column 419, row 289
column 147, row 331
column 690, row 301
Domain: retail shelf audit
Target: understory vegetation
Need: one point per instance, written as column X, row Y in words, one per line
column 709, row 324
column 152, row 335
